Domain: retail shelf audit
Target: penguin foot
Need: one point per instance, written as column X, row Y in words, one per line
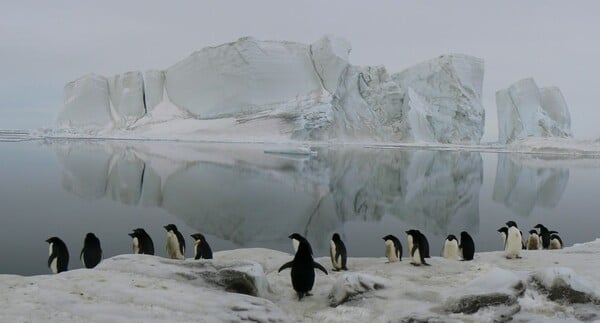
column 308, row 294
column 346, row 269
column 333, row 269
column 518, row 257
column 414, row 264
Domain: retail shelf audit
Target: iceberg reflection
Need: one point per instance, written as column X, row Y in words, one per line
column 522, row 186
column 241, row 194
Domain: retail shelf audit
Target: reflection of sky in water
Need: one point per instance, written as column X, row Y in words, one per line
column 241, row 197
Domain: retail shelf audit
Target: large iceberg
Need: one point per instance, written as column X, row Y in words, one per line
column 252, row 90
column 524, row 110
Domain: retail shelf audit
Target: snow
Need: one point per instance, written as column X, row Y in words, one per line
column 525, row 110
column 244, row 284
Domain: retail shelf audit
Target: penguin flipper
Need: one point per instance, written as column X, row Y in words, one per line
column 52, row 256
column 286, row 265
column 318, row 266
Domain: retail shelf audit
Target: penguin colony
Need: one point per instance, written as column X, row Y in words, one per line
column 303, row 265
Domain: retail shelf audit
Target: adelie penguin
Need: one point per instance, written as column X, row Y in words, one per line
column 91, row 254
column 337, row 252
column 58, row 259
column 467, row 246
column 534, row 242
column 503, row 234
column 423, row 240
column 450, row 250
column 303, row 267
column 393, row 248
column 175, row 242
column 417, row 240
column 514, row 243
column 142, row 243
column 555, row 242
column 544, row 235
column 201, row 247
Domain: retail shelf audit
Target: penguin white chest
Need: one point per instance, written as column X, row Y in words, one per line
column 136, row 245
column 513, row 243
column 335, row 262
column 54, row 262
column 390, row 251
column 555, row 244
column 533, row 243
column 295, row 243
column 173, row 246
column 416, row 257
column 451, row 250
column 409, row 242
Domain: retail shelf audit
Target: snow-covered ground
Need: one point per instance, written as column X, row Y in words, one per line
column 244, row 285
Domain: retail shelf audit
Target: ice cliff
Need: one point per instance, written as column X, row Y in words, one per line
column 289, row 90
column 524, row 110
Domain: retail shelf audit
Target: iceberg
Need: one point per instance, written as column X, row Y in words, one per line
column 524, row 110
column 255, row 90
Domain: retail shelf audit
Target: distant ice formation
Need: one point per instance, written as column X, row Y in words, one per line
column 309, row 92
column 525, row 110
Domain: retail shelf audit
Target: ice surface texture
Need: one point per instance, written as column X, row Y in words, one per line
column 525, row 110
column 311, row 91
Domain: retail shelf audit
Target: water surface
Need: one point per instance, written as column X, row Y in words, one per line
column 238, row 195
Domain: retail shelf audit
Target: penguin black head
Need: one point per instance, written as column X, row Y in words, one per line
column 412, row 232
column 53, row 240
column 503, row 230
column 90, row 235
column 170, row 227
column 532, row 231
column 132, row 234
column 198, row 236
column 297, row 236
column 336, row 237
column 451, row 237
column 539, row 226
column 511, row 224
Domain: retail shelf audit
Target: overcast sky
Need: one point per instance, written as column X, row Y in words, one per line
column 45, row 44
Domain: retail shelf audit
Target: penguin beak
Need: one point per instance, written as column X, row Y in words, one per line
column 48, row 240
column 130, row 234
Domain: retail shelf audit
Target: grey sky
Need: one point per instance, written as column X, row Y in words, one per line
column 45, row 44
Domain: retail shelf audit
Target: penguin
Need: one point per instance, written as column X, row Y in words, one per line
column 523, row 243
column 513, row 244
column 534, row 242
column 423, row 240
column 202, row 248
column 142, row 243
column 58, row 259
column 544, row 234
column 303, row 267
column 175, row 242
column 91, row 253
column 417, row 252
column 467, row 246
column 393, row 248
column 555, row 242
column 503, row 234
column 337, row 252
column 450, row 249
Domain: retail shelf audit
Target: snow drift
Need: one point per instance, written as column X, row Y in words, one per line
column 525, row 110
column 296, row 91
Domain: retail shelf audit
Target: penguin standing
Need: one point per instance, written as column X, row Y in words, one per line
column 423, row 240
column 467, row 246
column 202, row 248
column 417, row 252
column 450, row 250
column 91, row 253
column 534, row 242
column 555, row 242
column 503, row 234
column 544, row 234
column 58, row 259
column 393, row 248
column 303, row 267
column 142, row 243
column 175, row 242
column 337, row 252
column 513, row 244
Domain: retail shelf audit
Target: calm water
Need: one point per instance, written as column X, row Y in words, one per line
column 240, row 196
